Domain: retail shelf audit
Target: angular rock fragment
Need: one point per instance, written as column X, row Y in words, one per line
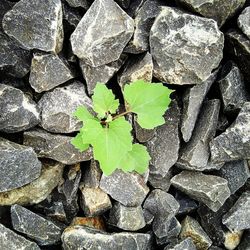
column 243, row 21
column 142, row 134
column 72, row 16
column 35, row 29
column 157, row 181
column 78, row 3
column 93, row 222
column 18, row 164
column 186, row 244
column 92, row 175
column 47, row 72
column 185, row 39
column 37, row 228
column 195, row 154
column 208, row 189
column 18, row 111
column 99, row 39
column 232, row 239
column 129, row 189
column 57, row 108
column 56, row 211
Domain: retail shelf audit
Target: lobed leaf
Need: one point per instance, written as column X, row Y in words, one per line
column 83, row 114
column 78, row 143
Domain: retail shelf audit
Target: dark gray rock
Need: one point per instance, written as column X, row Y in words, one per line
column 56, row 211
column 245, row 242
column 35, row 29
column 186, row 244
column 47, row 72
column 208, row 189
column 11, row 240
column 195, row 154
column 78, row 3
column 92, row 175
column 192, row 100
column 238, row 217
column 99, row 39
column 57, row 108
column 243, row 21
column 142, row 134
column 134, row 7
column 129, row 189
column 5, row 6
column 37, row 228
column 56, row 147
column 234, row 143
column 126, row 218
column 19, row 165
column 157, row 181
column 71, row 15
column 123, row 3
column 78, row 237
column 18, row 111
column 185, row 39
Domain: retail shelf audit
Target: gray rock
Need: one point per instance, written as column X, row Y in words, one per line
column 123, row 3
column 47, row 72
column 99, row 39
column 192, row 100
column 35, row 29
column 126, row 218
column 92, row 175
column 140, row 68
column 129, row 189
column 78, row 3
column 191, row 228
column 195, row 154
column 234, row 143
column 208, row 189
column 71, row 15
column 5, row 6
column 18, row 111
column 40, row 229
column 19, row 165
column 238, row 217
column 243, row 21
column 57, row 108
column 218, row 10
column 36, row 191
column 157, row 181
column 185, row 39
column 186, row 244
column 142, row 134
column 11, row 240
column 56, row 147
column 78, row 237
column 56, row 211
column 134, row 7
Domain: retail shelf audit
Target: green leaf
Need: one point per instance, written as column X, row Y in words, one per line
column 82, row 114
column 137, row 159
column 77, row 142
column 149, row 101
column 104, row 101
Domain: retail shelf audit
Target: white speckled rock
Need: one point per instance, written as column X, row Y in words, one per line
column 244, row 21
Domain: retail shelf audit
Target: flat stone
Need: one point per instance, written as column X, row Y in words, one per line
column 234, row 143
column 126, row 218
column 11, row 240
column 57, row 108
column 243, row 21
column 185, row 39
column 209, row 189
column 129, row 189
column 92, row 175
column 238, row 217
column 191, row 228
column 18, row 111
column 78, row 3
column 192, row 99
column 78, row 237
column 185, row 244
column 99, row 39
column 19, row 165
column 195, row 154
column 56, row 147
column 34, row 29
column 36, row 191
column 37, row 228
column 47, row 72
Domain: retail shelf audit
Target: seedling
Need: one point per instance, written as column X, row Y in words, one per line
column 109, row 133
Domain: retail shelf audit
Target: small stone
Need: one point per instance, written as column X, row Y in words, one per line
column 185, row 39
column 18, row 111
column 47, row 72
column 56, row 212
column 148, row 217
column 37, row 228
column 232, row 239
column 33, row 29
column 238, row 217
column 243, row 21
column 78, row 237
column 195, row 154
column 129, row 189
column 78, row 3
column 234, row 143
column 126, row 218
column 99, row 39
column 36, row 191
column 186, row 244
column 191, row 228
column 92, row 175
column 210, row 189
column 93, row 222
column 19, row 165
column 11, row 240
column 57, row 108
column 157, row 181
column 56, row 147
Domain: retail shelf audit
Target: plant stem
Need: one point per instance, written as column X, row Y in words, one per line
column 122, row 114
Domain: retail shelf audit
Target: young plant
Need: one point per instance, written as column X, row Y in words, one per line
column 109, row 133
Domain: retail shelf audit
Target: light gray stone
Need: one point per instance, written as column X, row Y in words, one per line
column 244, row 21
column 185, row 48
column 186, row 244
column 78, row 3
column 99, row 38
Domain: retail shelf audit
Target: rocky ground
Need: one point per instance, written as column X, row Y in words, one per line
column 196, row 194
